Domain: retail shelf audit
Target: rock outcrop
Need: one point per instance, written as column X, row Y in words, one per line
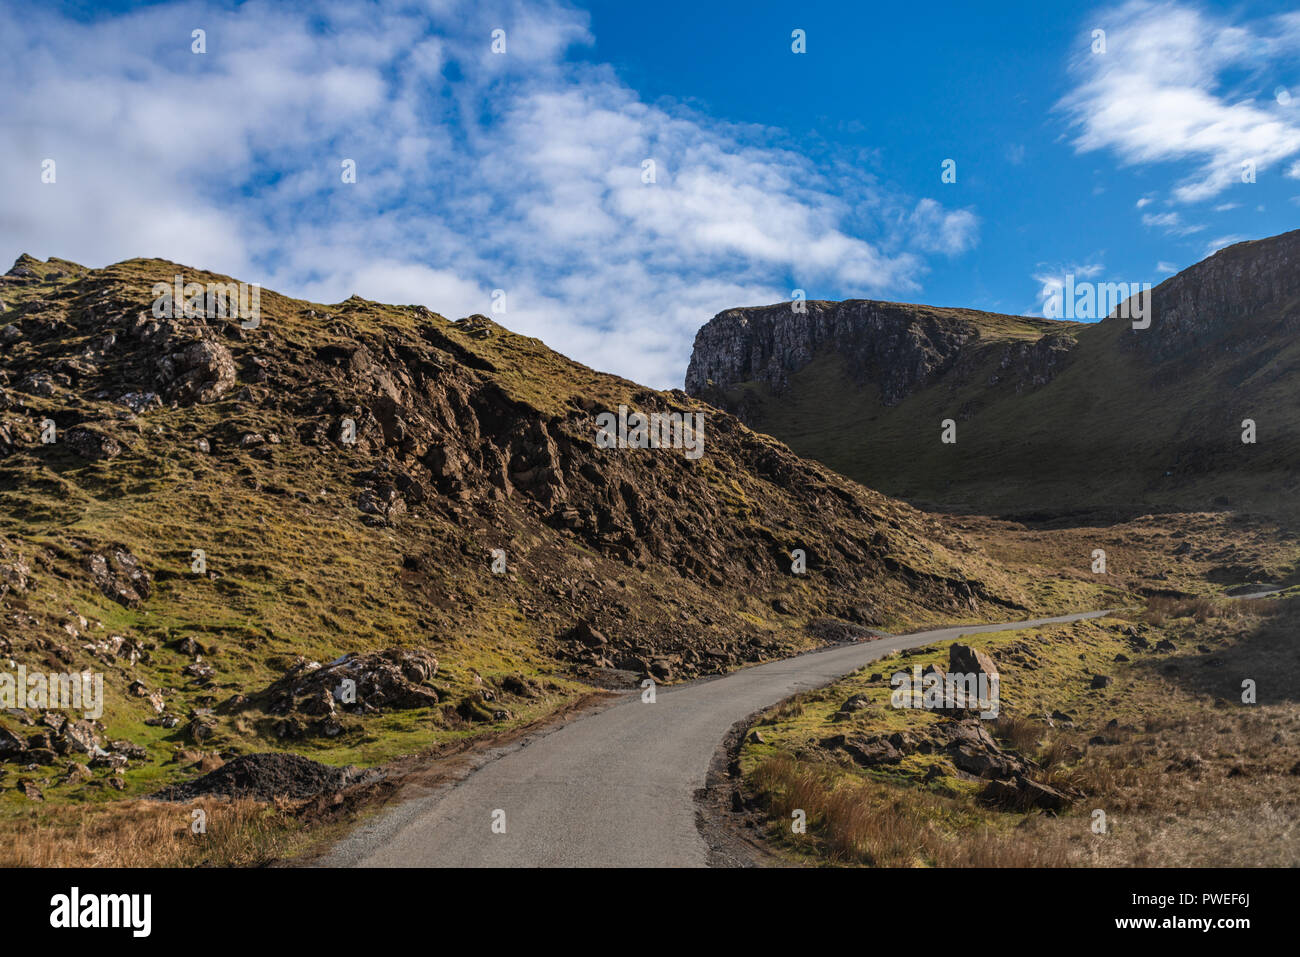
column 896, row 347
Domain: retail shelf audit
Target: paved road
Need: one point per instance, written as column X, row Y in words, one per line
column 614, row 787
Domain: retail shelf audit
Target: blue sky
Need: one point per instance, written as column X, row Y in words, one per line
column 522, row 172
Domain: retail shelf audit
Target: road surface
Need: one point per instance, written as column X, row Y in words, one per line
column 614, row 787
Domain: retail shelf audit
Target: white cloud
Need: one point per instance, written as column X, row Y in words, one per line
column 1166, row 269
column 943, row 231
column 1171, row 223
column 1161, row 94
column 1051, row 281
column 474, row 172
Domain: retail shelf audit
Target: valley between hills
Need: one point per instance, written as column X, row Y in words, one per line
column 230, row 524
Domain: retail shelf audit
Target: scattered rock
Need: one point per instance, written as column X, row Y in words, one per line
column 139, row 402
column 393, row 678
column 120, row 576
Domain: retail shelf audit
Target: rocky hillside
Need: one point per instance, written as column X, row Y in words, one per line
column 1050, row 415
column 228, row 518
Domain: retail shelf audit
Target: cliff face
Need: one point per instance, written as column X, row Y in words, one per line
column 1235, row 300
column 890, row 350
column 898, row 347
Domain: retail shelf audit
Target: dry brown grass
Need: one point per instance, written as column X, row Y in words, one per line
column 1161, row 609
column 1019, row 732
column 1186, row 773
column 150, row 834
column 860, row 822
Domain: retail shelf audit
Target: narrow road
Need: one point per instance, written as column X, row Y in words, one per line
column 614, row 787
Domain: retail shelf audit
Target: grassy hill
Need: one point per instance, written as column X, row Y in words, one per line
column 1050, row 416
column 321, row 540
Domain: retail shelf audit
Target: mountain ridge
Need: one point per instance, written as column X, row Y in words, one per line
column 1037, row 402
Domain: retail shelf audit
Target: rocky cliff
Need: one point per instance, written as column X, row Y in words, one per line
column 1236, row 300
column 1154, row 415
column 895, row 348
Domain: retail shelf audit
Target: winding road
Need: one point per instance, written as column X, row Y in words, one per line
column 614, row 787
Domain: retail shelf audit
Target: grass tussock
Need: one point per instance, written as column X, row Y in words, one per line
column 856, row 821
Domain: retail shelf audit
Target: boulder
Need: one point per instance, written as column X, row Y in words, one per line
column 867, row 752
column 586, row 633
column 12, row 746
column 963, row 659
column 200, row 730
column 1022, row 793
column 856, row 702
column 78, row 736
column 972, row 749
column 201, row 372
column 91, row 443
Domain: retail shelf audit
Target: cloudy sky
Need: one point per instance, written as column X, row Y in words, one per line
column 525, row 171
